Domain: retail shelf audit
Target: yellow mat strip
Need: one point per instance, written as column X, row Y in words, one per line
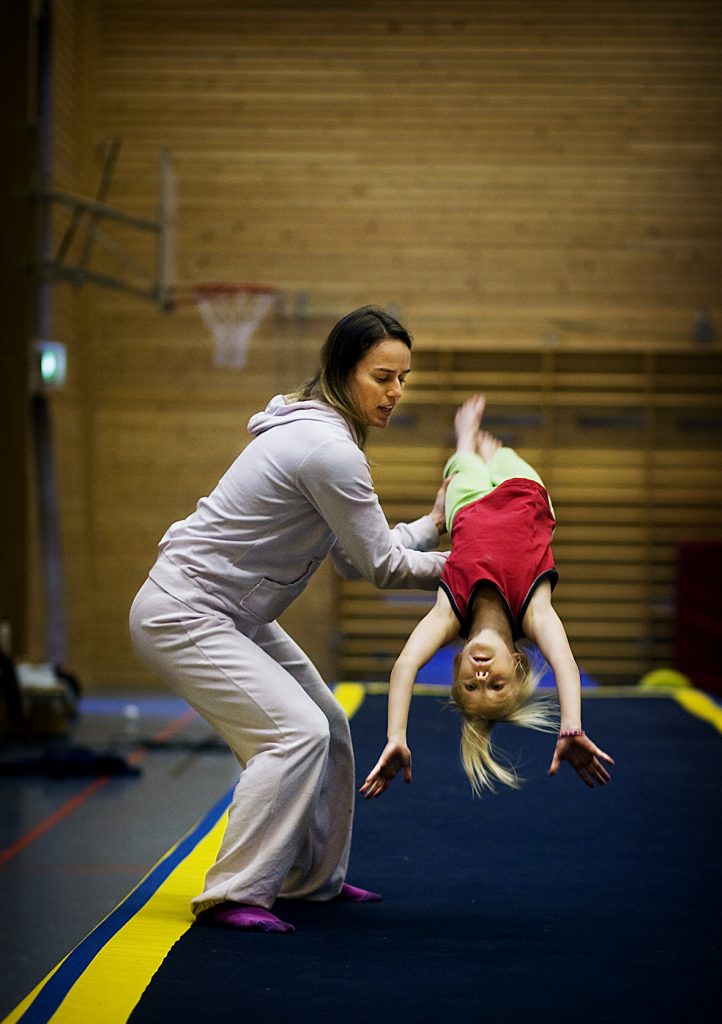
column 699, row 705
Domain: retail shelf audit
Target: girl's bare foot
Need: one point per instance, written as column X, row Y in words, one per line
column 467, row 422
column 487, row 445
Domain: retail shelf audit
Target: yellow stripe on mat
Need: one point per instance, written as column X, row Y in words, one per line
column 699, row 705
column 350, row 696
column 114, row 981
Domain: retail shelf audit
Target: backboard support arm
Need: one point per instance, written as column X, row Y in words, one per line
column 89, row 215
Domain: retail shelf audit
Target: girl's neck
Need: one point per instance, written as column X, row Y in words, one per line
column 489, row 615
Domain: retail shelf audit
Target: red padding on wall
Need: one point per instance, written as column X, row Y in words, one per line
column 698, row 629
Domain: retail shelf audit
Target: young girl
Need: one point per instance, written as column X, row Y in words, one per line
column 495, row 589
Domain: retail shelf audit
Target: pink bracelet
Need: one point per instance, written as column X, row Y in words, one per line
column 571, row 732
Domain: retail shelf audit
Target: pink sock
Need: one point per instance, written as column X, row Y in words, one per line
column 352, row 894
column 243, row 917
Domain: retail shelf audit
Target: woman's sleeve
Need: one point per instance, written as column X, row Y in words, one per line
column 335, row 478
column 420, row 535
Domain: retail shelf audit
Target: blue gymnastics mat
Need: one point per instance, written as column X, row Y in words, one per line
column 555, row 903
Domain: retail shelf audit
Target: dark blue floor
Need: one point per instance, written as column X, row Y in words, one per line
column 555, row 903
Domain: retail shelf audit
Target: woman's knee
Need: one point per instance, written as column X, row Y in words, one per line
column 339, row 726
column 321, row 734
column 312, row 733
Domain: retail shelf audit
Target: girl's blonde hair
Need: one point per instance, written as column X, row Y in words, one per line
column 531, row 710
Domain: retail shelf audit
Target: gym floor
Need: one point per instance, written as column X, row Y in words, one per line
column 71, row 848
column 554, row 903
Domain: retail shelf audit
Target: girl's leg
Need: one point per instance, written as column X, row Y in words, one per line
column 470, row 479
column 505, row 464
column 278, row 733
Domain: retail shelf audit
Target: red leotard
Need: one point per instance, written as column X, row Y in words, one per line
column 503, row 538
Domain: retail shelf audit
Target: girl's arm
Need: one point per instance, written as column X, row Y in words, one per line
column 544, row 627
column 437, row 628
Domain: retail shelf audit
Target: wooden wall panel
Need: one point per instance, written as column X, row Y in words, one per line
column 533, row 167
column 532, row 185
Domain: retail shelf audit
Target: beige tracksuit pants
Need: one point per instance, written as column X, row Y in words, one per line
column 289, row 827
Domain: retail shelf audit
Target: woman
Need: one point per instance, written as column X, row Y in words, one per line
column 204, row 621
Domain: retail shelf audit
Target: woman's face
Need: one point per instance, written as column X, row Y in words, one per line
column 376, row 382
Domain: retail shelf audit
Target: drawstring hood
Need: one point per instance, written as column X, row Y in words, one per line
column 282, row 410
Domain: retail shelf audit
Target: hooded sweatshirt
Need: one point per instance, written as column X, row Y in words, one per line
column 300, row 489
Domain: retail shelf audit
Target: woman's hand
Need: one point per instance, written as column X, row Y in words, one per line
column 438, row 512
column 394, row 758
column 585, row 758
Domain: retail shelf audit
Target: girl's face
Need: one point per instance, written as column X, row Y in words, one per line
column 376, row 382
column 487, row 682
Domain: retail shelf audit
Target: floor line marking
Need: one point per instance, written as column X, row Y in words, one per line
column 72, row 804
column 47, row 1001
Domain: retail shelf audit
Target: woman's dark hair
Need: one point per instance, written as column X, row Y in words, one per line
column 348, row 342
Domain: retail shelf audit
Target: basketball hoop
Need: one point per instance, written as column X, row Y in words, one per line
column 232, row 312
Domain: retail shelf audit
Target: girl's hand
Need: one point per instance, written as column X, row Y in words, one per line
column 395, row 757
column 584, row 757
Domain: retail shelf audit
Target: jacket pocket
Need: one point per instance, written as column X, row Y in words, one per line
column 268, row 598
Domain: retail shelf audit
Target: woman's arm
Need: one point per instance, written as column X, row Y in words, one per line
column 544, row 627
column 421, row 535
column 437, row 628
column 336, row 480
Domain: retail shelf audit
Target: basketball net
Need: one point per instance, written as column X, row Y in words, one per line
column 232, row 314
